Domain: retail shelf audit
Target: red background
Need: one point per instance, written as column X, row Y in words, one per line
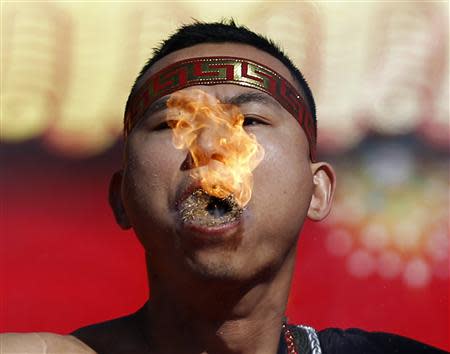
column 65, row 263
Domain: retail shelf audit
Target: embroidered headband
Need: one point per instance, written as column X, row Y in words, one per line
column 221, row 70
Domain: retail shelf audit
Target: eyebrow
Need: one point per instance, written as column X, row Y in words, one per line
column 238, row 100
column 250, row 97
column 157, row 106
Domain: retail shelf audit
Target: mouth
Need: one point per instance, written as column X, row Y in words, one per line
column 203, row 211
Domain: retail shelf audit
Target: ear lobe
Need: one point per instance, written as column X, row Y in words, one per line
column 324, row 181
column 115, row 201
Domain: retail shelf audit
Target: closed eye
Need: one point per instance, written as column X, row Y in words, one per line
column 162, row 126
column 252, row 120
column 167, row 124
column 248, row 121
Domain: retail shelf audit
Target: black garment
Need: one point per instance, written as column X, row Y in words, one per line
column 125, row 336
column 356, row 341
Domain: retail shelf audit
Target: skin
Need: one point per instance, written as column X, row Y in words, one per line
column 228, row 295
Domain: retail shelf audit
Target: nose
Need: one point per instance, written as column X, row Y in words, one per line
column 188, row 163
column 204, row 149
column 206, row 141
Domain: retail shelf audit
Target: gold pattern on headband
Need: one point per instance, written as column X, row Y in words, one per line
column 221, row 70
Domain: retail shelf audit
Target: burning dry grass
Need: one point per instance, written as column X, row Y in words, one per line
column 224, row 154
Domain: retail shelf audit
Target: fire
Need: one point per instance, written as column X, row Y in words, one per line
column 223, row 153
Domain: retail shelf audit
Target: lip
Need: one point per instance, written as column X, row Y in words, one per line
column 183, row 194
column 212, row 230
column 204, row 236
column 201, row 233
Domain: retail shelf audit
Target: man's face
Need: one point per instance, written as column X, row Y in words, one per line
column 156, row 174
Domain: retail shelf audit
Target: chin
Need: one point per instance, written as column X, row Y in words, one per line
column 226, row 266
column 215, row 271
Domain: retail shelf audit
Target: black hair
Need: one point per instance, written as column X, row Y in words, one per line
column 222, row 32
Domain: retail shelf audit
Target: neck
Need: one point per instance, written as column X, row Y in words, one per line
column 199, row 316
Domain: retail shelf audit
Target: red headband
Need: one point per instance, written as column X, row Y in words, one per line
column 221, row 70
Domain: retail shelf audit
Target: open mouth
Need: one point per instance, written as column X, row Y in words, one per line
column 202, row 209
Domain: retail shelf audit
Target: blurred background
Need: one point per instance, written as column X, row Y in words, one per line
column 379, row 71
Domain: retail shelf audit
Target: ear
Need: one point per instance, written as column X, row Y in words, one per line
column 115, row 201
column 324, row 181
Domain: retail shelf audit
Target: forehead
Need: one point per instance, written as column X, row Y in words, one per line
column 230, row 90
column 221, row 49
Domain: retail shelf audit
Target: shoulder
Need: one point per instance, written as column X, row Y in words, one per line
column 41, row 342
column 336, row 341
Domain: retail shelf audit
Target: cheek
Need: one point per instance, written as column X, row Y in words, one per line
column 150, row 170
column 283, row 182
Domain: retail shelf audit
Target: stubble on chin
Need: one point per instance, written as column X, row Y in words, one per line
column 228, row 267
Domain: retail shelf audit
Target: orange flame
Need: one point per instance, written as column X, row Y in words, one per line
column 223, row 153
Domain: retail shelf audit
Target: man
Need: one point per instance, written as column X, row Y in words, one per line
column 220, row 268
